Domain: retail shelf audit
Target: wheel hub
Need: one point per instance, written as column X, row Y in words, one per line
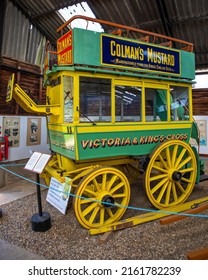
column 107, row 201
column 176, row 176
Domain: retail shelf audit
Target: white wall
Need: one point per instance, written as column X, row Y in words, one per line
column 24, row 151
column 203, row 148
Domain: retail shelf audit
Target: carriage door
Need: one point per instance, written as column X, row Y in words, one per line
column 156, row 102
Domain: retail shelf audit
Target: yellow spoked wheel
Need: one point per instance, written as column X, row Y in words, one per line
column 101, row 197
column 171, row 173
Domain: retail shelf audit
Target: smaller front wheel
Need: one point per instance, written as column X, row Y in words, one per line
column 101, row 197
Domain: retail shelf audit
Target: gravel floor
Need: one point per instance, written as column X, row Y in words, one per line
column 68, row 240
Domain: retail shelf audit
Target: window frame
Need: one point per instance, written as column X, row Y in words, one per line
column 156, row 86
column 127, row 81
column 190, row 106
column 119, row 82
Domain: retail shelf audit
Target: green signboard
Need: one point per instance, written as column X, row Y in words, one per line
column 62, row 143
column 125, row 143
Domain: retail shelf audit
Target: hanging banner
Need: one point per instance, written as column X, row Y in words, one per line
column 135, row 54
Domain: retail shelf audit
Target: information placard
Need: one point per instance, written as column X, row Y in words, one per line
column 37, row 162
column 58, row 194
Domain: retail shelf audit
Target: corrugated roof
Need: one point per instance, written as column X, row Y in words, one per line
column 182, row 19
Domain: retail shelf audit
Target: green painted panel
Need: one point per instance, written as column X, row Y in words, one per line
column 187, row 65
column 87, row 51
column 62, row 143
column 86, row 47
column 125, row 143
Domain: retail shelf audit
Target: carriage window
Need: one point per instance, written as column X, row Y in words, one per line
column 68, row 98
column 95, row 99
column 128, row 103
column 179, row 103
column 155, row 104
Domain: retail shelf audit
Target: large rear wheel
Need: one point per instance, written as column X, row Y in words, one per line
column 171, row 173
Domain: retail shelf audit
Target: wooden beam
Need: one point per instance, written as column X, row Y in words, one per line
column 174, row 218
column 200, row 254
column 105, row 237
column 147, row 217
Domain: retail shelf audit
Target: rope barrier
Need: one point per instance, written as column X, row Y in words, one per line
column 2, row 166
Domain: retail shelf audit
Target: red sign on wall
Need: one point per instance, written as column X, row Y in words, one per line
column 64, row 49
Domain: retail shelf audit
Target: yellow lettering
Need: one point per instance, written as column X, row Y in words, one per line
column 112, row 48
column 118, row 50
column 149, row 54
column 141, row 54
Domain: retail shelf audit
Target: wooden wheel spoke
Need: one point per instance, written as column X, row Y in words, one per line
column 167, row 197
column 110, row 213
column 94, row 215
column 87, row 200
column 190, row 169
column 97, row 186
column 158, row 177
column 174, row 154
column 175, row 196
column 111, row 182
column 102, row 216
column 180, row 187
column 91, row 192
column 160, row 169
column 104, row 178
column 183, row 179
column 90, row 208
column 120, row 195
column 160, row 196
column 167, row 151
column 117, row 187
column 159, row 185
column 184, row 162
column 163, row 162
column 180, row 157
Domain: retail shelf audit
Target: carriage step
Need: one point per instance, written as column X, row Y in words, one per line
column 203, row 178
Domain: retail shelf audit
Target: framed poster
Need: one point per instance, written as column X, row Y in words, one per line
column 11, row 128
column 202, row 125
column 33, row 131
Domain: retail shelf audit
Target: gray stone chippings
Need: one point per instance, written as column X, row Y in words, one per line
column 67, row 239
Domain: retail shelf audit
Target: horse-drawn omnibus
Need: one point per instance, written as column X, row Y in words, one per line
column 119, row 106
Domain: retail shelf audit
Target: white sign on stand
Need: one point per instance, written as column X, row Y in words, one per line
column 58, row 194
column 37, row 162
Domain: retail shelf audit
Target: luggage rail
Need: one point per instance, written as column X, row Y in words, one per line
column 146, row 35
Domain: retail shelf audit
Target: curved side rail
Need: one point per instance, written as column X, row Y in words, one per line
column 187, row 46
column 30, row 106
column 22, row 98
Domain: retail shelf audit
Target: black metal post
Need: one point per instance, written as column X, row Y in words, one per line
column 41, row 221
column 39, row 195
